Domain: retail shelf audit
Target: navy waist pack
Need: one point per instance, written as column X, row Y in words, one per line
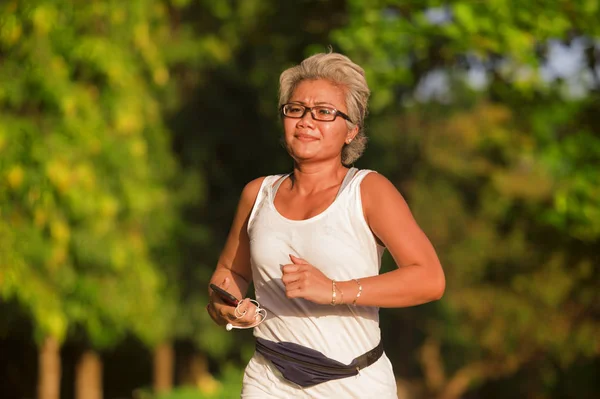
column 307, row 367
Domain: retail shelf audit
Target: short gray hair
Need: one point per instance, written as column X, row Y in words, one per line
column 338, row 69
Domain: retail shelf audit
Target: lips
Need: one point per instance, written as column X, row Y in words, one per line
column 306, row 137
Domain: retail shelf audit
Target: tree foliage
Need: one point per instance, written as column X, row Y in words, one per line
column 400, row 43
column 86, row 166
column 503, row 178
column 521, row 293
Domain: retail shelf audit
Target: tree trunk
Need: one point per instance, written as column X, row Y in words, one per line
column 88, row 376
column 194, row 368
column 201, row 377
column 163, row 367
column 49, row 370
column 458, row 385
column 433, row 366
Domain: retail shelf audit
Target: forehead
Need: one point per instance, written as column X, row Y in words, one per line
column 319, row 91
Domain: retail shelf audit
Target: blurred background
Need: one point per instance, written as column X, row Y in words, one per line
column 129, row 128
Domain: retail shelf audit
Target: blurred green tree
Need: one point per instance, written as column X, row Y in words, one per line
column 504, row 179
column 522, row 293
column 86, row 201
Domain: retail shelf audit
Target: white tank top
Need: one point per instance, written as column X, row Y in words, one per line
column 339, row 242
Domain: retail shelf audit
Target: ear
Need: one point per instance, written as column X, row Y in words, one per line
column 351, row 134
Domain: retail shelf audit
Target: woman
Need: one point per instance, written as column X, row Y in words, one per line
column 312, row 240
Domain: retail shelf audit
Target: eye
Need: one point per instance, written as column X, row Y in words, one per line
column 325, row 111
column 294, row 109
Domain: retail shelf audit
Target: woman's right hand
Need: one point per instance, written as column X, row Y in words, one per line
column 243, row 316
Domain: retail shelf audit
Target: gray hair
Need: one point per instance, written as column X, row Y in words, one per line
column 338, row 69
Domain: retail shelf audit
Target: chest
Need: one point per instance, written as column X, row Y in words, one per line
column 294, row 206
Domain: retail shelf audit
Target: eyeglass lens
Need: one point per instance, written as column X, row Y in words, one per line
column 319, row 112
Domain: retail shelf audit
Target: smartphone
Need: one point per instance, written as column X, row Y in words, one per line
column 225, row 296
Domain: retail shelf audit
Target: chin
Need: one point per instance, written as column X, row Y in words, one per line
column 301, row 152
column 301, row 157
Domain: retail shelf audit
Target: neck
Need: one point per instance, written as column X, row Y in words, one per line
column 308, row 178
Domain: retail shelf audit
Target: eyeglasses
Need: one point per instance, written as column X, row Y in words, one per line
column 318, row 113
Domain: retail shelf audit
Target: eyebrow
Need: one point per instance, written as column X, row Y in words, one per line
column 317, row 103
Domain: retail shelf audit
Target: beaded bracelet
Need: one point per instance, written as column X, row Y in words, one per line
column 334, row 290
column 333, row 293
column 358, row 293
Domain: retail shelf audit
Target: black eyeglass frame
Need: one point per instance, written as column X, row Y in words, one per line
column 310, row 109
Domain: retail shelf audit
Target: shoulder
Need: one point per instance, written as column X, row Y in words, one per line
column 378, row 194
column 250, row 191
column 375, row 184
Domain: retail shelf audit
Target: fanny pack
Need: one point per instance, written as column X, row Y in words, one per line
column 307, row 367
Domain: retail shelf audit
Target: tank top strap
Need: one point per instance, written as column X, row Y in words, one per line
column 352, row 194
column 352, row 202
column 263, row 194
column 349, row 176
column 358, row 177
column 279, row 182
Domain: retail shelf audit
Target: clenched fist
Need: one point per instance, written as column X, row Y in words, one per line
column 303, row 280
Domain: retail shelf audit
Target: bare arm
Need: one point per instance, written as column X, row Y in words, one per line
column 419, row 277
column 233, row 271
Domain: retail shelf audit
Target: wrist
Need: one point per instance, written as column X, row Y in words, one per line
column 352, row 289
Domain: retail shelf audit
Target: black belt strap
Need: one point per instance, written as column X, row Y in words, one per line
column 370, row 357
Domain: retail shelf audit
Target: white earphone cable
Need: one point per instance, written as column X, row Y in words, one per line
column 259, row 313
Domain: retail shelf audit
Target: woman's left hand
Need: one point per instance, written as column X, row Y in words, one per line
column 303, row 280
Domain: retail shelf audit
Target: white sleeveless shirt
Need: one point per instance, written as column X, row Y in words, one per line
column 338, row 242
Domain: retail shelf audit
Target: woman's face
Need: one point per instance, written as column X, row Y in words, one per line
column 311, row 140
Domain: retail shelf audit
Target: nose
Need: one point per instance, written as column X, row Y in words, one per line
column 306, row 120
